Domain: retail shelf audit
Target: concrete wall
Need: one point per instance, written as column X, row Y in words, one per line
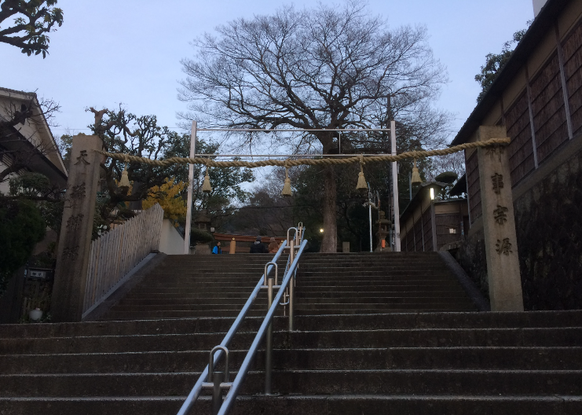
column 171, row 242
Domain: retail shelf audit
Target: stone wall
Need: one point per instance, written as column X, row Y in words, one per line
column 471, row 256
column 549, row 231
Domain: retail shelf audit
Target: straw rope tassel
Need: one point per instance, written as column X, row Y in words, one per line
column 362, row 185
column 206, row 187
column 124, row 181
column 415, row 179
column 287, row 186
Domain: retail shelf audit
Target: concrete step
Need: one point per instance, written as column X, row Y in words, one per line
column 306, row 404
column 108, row 384
column 457, row 320
column 437, row 337
column 170, row 300
column 359, row 308
column 148, row 314
column 330, row 338
column 320, row 382
column 207, row 305
column 445, row 357
column 322, row 285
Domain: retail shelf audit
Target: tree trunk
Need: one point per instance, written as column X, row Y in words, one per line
column 329, row 243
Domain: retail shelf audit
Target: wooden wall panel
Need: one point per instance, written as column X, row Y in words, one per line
column 572, row 47
column 520, row 149
column 473, row 186
column 427, row 228
column 549, row 115
column 444, row 222
column 418, row 236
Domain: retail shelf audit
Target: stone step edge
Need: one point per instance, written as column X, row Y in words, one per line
column 406, row 398
column 314, row 350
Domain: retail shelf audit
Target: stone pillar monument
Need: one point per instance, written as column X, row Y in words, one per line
column 503, row 271
column 76, row 228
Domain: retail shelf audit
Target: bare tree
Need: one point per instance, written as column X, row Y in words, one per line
column 326, row 68
column 451, row 163
column 267, row 212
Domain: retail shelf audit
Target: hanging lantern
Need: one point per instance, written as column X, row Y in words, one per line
column 124, row 181
column 362, row 185
column 206, row 187
column 287, row 186
column 415, row 175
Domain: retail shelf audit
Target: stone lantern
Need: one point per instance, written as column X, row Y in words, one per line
column 383, row 230
column 202, row 221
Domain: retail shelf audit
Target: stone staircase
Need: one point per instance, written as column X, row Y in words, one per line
column 376, row 283
column 404, row 343
column 197, row 286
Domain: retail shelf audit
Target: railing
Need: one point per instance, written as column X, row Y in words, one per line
column 217, row 382
column 116, row 253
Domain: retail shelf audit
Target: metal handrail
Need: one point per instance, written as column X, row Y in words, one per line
column 195, row 392
column 299, row 236
column 236, row 384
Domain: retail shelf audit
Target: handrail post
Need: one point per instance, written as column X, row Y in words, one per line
column 299, row 233
column 269, row 341
column 295, row 236
column 274, row 264
column 291, row 289
column 216, row 379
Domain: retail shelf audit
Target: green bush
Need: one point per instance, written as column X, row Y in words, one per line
column 21, row 228
column 198, row 236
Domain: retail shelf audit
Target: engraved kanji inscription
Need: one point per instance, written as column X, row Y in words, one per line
column 74, row 222
column 495, row 152
column 497, row 181
column 503, row 246
column 78, row 192
column 83, row 158
column 71, row 252
column 75, row 195
column 500, row 214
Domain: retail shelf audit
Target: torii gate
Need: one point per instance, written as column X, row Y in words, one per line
column 194, row 132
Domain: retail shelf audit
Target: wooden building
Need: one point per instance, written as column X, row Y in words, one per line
column 430, row 223
column 537, row 97
column 26, row 141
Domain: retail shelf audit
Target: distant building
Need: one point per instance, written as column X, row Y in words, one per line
column 430, row 223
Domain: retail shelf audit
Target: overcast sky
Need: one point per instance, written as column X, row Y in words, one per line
column 128, row 51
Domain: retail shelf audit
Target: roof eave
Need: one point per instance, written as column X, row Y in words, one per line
column 538, row 29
